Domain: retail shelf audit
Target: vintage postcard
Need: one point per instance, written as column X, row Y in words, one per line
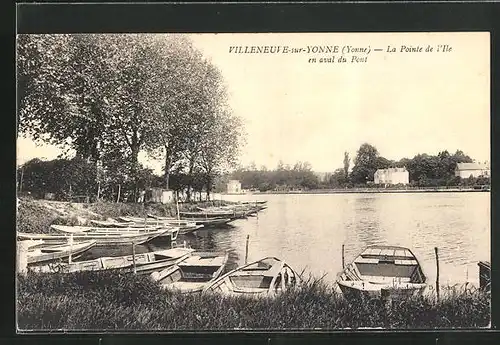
column 265, row 181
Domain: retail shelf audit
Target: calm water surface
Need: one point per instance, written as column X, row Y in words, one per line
column 308, row 231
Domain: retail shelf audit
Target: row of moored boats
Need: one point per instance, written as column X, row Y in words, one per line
column 72, row 241
column 379, row 270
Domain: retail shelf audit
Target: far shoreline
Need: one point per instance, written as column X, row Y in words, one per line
column 367, row 191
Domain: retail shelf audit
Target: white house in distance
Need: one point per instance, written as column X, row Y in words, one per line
column 391, row 176
column 465, row 170
column 234, row 187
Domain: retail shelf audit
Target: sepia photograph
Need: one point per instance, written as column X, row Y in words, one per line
column 175, row 182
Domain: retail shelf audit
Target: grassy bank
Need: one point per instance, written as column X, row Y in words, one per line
column 112, row 301
column 36, row 216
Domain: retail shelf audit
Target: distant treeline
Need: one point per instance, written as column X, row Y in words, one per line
column 424, row 171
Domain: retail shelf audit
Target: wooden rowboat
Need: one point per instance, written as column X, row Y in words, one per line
column 193, row 273
column 102, row 239
column 145, row 263
column 221, row 214
column 164, row 232
column 185, row 226
column 266, row 277
column 484, row 275
column 212, row 222
column 41, row 254
column 200, row 222
column 381, row 271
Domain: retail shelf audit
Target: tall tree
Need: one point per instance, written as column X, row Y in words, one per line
column 62, row 88
column 347, row 162
column 172, row 92
column 365, row 164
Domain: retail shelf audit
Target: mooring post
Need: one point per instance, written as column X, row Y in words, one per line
column 246, row 250
column 22, row 257
column 133, row 257
column 343, row 262
column 177, row 204
column 70, row 247
column 437, row 272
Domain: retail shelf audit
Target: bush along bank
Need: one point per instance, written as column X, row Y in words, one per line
column 113, row 301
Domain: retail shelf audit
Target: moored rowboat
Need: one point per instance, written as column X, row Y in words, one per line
column 41, row 254
column 185, row 226
column 144, row 263
column 102, row 239
column 382, row 271
column 193, row 273
column 164, row 232
column 265, row 277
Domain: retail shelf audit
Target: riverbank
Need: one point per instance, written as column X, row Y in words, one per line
column 368, row 191
column 113, row 301
column 36, row 216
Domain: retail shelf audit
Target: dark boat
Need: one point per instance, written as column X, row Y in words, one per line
column 484, row 275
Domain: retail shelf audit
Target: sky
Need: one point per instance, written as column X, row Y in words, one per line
column 403, row 103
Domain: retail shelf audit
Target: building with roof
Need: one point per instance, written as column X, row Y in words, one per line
column 234, row 187
column 391, row 176
column 466, row 170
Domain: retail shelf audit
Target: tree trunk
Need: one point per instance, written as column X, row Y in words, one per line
column 168, row 163
column 119, row 191
column 189, row 181
column 134, row 159
column 209, row 187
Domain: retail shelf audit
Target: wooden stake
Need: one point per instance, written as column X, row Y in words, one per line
column 70, row 248
column 133, row 257
column 21, row 180
column 343, row 262
column 246, row 250
column 22, row 257
column 437, row 272
column 177, row 204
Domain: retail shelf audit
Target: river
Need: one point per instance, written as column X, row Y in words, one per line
column 308, row 231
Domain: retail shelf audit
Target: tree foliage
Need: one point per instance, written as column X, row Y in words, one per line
column 109, row 97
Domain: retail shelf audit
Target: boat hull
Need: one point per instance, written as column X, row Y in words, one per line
column 145, row 264
column 101, row 239
column 52, row 253
column 369, row 292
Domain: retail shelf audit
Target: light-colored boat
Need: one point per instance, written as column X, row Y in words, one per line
column 102, row 239
column 220, row 214
column 164, row 231
column 212, row 222
column 199, row 222
column 193, row 273
column 121, row 224
column 40, row 254
column 256, row 202
column 32, row 243
column 382, row 271
column 237, row 211
column 185, row 226
column 145, row 263
column 266, row 277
